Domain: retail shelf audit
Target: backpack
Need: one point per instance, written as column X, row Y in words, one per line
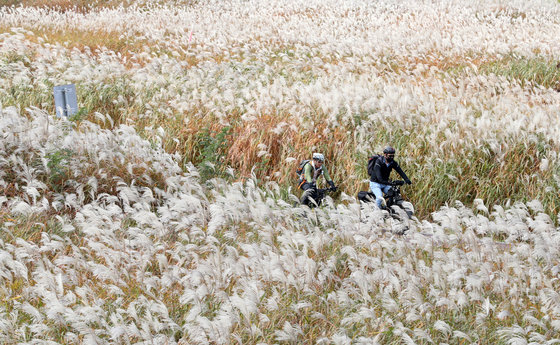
column 371, row 164
column 299, row 171
column 301, row 165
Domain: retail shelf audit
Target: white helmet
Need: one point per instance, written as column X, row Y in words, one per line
column 319, row 157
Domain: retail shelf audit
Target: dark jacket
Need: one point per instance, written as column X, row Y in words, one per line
column 382, row 170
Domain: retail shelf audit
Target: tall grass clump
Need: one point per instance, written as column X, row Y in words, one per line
column 65, row 5
column 539, row 71
column 211, row 149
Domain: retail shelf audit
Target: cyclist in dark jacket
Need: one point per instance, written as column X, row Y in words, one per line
column 379, row 182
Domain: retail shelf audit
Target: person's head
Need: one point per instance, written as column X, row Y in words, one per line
column 318, row 158
column 389, row 153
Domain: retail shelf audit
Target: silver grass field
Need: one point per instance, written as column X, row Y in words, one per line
column 163, row 212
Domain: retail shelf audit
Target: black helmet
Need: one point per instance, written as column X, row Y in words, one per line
column 389, row 150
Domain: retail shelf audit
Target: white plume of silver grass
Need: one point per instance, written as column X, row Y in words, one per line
column 289, row 333
column 129, row 259
column 411, row 98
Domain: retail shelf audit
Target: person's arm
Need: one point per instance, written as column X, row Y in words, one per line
column 401, row 172
column 326, row 174
column 328, row 179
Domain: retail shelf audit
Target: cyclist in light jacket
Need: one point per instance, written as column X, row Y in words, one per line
column 311, row 172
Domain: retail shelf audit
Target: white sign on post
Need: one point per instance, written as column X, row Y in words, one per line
column 65, row 100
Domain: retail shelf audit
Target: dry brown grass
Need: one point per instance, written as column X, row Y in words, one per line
column 84, row 6
column 66, row 5
column 244, row 149
column 94, row 41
